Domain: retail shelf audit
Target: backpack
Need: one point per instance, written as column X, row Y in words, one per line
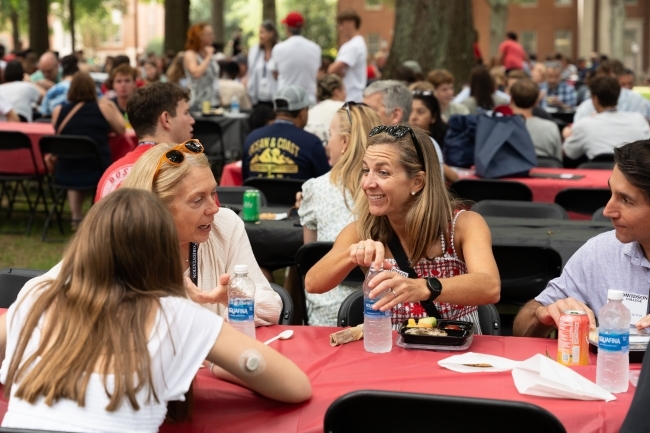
column 459, row 140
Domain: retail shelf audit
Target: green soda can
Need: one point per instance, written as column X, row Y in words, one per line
column 251, row 211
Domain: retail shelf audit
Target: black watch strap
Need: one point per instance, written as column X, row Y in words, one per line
column 435, row 287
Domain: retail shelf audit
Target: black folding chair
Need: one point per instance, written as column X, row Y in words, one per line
column 583, row 200
column 597, row 165
column 235, row 195
column 278, row 192
column 520, row 209
column 598, row 215
column 286, row 315
column 603, row 157
column 306, row 257
column 487, row 189
column 211, row 137
column 489, row 319
column 10, row 183
column 546, row 161
column 70, row 148
column 351, row 310
column 360, row 411
column 12, row 281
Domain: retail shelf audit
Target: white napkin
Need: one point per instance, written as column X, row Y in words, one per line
column 544, row 377
column 456, row 363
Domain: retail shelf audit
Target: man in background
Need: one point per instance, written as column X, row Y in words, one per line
column 350, row 63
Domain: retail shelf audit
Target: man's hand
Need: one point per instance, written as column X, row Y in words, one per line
column 550, row 314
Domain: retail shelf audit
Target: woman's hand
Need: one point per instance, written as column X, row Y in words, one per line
column 367, row 253
column 218, row 295
column 396, row 289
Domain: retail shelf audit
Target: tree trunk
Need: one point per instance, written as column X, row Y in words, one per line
column 617, row 28
column 177, row 21
column 268, row 10
column 218, row 21
column 39, row 38
column 498, row 22
column 72, row 21
column 436, row 33
column 15, row 30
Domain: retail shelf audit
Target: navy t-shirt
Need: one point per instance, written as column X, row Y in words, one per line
column 283, row 150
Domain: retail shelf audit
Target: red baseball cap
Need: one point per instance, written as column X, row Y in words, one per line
column 294, row 19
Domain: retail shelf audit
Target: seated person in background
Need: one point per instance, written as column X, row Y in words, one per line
column 511, row 78
column 58, row 94
column 544, row 133
column 443, row 83
column 84, row 115
column 151, row 72
column 618, row 258
column 228, row 87
column 538, row 73
column 121, row 285
column 599, row 134
column 20, row 94
column 158, row 113
column 626, row 79
column 482, row 92
column 7, row 114
column 330, row 92
column 261, row 115
column 213, row 240
column 283, row 149
column 122, row 83
column 328, row 200
column 48, row 73
column 402, row 205
column 555, row 92
column 628, row 101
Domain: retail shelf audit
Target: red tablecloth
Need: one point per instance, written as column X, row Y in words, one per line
column 231, row 175
column 18, row 161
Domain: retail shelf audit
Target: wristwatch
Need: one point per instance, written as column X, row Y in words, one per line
column 435, row 287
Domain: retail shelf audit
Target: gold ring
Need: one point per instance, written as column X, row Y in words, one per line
column 394, row 294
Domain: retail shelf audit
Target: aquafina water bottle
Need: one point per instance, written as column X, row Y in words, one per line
column 377, row 333
column 234, row 104
column 613, row 364
column 241, row 302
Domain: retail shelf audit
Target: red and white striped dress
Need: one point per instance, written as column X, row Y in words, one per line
column 449, row 265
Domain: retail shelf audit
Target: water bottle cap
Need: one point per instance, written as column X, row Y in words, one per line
column 241, row 269
column 615, row 295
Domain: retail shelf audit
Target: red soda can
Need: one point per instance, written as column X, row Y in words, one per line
column 572, row 338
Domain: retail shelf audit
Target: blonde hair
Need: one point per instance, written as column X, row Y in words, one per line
column 422, row 85
column 347, row 171
column 429, row 212
column 164, row 185
column 123, row 259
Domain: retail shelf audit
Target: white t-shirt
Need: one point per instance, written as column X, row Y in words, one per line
column 5, row 108
column 354, row 54
column 181, row 338
column 605, row 131
column 296, row 60
column 21, row 95
column 439, row 153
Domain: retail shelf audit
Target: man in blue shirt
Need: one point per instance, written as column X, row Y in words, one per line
column 282, row 149
column 557, row 93
column 613, row 260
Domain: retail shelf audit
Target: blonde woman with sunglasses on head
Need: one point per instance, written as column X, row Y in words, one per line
column 212, row 240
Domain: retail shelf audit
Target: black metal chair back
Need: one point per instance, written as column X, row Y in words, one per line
column 520, row 209
column 583, row 200
column 487, row 189
column 489, row 319
column 278, row 192
column 235, row 195
column 597, row 165
column 603, row 157
column 12, row 281
column 351, row 310
column 349, row 413
column 211, row 137
column 598, row 215
column 286, row 315
column 545, row 161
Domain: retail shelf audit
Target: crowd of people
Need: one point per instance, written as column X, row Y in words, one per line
column 154, row 255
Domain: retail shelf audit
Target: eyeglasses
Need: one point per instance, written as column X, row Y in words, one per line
column 423, row 92
column 349, row 104
column 400, row 131
column 175, row 155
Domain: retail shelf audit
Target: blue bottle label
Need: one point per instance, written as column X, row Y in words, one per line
column 368, row 311
column 241, row 310
column 614, row 342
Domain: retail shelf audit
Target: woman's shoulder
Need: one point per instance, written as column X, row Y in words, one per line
column 225, row 220
column 317, row 183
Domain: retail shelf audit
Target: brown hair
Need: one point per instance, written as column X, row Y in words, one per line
column 82, row 88
column 633, row 160
column 123, row 69
column 430, row 211
column 606, row 89
column 525, row 93
column 438, row 77
column 326, row 85
column 349, row 15
column 422, row 85
column 146, row 104
column 610, row 67
column 123, row 259
column 193, row 41
column 516, row 74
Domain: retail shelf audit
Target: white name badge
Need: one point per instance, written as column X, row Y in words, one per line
column 637, row 304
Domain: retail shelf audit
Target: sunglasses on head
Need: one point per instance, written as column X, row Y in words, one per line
column 400, row 131
column 423, row 92
column 175, row 156
column 349, row 104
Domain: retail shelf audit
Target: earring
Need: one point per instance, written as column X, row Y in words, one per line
column 343, row 151
column 412, row 192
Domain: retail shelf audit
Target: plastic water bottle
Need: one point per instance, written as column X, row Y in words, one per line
column 234, row 104
column 241, row 301
column 377, row 334
column 613, row 365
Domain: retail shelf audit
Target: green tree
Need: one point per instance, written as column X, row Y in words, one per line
column 320, row 22
column 13, row 17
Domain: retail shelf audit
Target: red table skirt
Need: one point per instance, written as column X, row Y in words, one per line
column 19, row 162
column 231, row 175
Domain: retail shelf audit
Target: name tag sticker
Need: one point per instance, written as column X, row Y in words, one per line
column 402, row 273
column 637, row 304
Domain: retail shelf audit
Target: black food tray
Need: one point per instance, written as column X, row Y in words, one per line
column 453, row 338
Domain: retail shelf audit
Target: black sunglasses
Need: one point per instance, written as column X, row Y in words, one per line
column 175, row 155
column 349, row 104
column 423, row 92
column 400, row 131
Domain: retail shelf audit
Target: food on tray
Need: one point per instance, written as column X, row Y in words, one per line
column 428, row 332
column 428, row 320
column 411, row 323
column 425, row 322
column 267, row 216
column 452, row 328
column 479, row 365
